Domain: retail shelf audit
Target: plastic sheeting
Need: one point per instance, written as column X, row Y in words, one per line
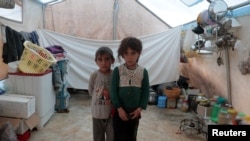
column 161, row 55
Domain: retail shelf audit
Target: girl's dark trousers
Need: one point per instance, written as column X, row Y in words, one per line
column 125, row 130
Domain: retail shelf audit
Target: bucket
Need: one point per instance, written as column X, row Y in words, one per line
column 162, row 101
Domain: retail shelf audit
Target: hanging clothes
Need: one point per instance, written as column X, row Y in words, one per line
column 31, row 36
column 13, row 47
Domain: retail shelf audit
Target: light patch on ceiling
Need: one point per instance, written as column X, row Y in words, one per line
column 175, row 12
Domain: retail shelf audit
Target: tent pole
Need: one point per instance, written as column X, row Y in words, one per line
column 43, row 10
column 115, row 13
column 228, row 76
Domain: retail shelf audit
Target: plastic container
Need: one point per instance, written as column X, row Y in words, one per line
column 171, row 103
column 239, row 118
column 246, row 120
column 215, row 112
column 172, row 93
column 233, row 113
column 220, row 100
column 179, row 103
column 162, row 101
column 223, row 116
column 184, row 107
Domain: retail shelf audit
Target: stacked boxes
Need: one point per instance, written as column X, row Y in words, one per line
column 17, row 106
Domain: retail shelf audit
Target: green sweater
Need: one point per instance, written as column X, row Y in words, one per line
column 129, row 88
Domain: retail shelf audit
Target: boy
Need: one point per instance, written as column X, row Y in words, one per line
column 99, row 84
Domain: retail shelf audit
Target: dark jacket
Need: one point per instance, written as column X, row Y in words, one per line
column 13, row 48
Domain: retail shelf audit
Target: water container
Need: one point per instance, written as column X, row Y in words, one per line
column 215, row 112
column 246, row 120
column 162, row 101
column 223, row 116
column 239, row 118
column 184, row 107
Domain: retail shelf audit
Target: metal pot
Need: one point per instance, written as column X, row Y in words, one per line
column 217, row 9
column 220, row 42
column 152, row 98
column 225, row 23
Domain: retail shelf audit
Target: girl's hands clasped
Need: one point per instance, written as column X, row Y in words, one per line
column 125, row 117
column 122, row 114
column 135, row 114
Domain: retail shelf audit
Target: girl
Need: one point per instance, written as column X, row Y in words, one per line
column 129, row 90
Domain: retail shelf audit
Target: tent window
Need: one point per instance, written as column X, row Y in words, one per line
column 13, row 14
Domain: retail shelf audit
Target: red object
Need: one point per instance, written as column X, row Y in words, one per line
column 112, row 113
column 31, row 74
column 24, row 137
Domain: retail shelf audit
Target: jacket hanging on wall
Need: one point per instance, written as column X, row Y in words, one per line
column 13, row 48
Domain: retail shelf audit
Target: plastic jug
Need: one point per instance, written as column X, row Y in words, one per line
column 162, row 101
column 215, row 112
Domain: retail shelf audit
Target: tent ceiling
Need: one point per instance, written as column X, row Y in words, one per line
column 179, row 12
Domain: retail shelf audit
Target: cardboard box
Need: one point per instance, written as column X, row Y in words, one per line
column 22, row 125
column 17, row 106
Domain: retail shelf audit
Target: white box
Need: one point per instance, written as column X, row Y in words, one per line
column 18, row 106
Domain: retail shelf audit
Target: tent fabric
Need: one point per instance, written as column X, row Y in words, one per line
column 160, row 55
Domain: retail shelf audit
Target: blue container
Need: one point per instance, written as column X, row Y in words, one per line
column 162, row 101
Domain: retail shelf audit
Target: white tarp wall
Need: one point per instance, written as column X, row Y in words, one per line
column 161, row 55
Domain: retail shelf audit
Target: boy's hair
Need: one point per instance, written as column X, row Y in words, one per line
column 104, row 50
column 132, row 43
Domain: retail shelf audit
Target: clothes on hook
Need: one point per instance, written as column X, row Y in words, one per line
column 13, row 46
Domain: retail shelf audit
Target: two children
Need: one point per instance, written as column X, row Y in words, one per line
column 128, row 88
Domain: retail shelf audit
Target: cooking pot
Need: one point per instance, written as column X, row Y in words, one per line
column 217, row 9
column 204, row 19
column 225, row 23
column 220, row 42
column 152, row 98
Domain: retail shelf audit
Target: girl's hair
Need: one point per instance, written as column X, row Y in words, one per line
column 132, row 43
column 104, row 50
